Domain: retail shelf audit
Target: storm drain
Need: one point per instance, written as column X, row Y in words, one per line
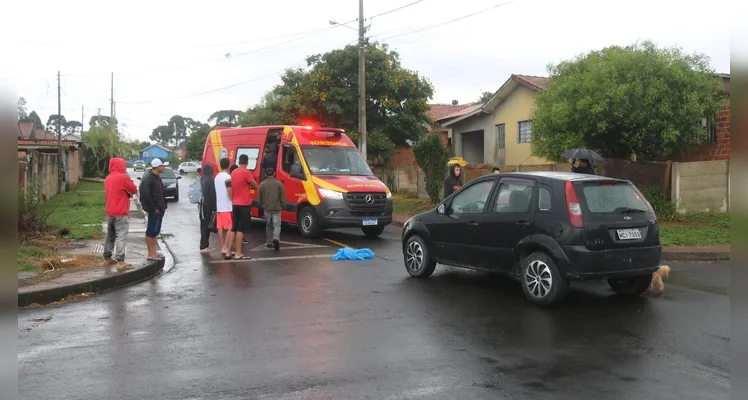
column 97, row 248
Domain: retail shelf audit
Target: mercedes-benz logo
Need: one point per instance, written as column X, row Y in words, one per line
column 369, row 199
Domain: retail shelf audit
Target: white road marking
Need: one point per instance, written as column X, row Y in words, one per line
column 274, row 258
column 293, row 245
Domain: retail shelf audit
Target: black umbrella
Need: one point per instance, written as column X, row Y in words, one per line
column 582, row 154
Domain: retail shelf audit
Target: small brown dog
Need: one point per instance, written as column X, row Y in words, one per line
column 657, row 281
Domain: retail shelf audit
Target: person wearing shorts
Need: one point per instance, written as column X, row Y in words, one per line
column 242, row 182
column 224, row 207
column 154, row 203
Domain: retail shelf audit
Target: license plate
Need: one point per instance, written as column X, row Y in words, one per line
column 628, row 234
column 370, row 222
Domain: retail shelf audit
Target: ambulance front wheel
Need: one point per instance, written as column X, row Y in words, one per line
column 308, row 223
column 373, row 232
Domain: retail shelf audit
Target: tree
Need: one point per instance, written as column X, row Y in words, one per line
column 162, row 134
column 52, row 123
column 622, row 100
column 73, row 127
column 268, row 112
column 22, row 114
column 34, row 117
column 178, row 127
column 102, row 143
column 228, row 118
column 432, row 156
column 196, row 142
column 327, row 93
column 484, row 96
column 102, row 120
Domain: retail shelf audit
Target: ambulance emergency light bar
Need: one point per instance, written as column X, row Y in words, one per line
column 322, row 132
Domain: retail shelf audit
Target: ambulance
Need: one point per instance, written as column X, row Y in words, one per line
column 328, row 183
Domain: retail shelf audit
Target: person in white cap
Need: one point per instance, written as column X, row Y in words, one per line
column 154, row 203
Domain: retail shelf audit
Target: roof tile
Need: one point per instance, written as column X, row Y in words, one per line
column 25, row 129
column 539, row 82
column 440, row 111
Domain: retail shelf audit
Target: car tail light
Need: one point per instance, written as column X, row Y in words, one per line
column 643, row 197
column 573, row 207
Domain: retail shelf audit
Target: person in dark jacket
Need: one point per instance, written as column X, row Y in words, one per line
column 270, row 159
column 154, row 203
column 207, row 208
column 272, row 199
column 583, row 167
column 452, row 183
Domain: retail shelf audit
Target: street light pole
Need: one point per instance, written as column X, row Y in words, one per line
column 361, row 82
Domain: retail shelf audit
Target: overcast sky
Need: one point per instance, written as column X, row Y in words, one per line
column 169, row 57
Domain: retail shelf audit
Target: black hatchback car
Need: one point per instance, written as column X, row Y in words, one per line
column 543, row 228
column 170, row 181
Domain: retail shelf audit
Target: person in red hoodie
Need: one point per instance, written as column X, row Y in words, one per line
column 118, row 189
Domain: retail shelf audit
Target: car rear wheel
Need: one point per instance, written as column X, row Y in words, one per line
column 633, row 286
column 181, row 172
column 373, row 232
column 541, row 280
column 308, row 223
column 418, row 260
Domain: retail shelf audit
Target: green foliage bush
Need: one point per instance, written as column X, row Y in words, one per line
column 432, row 156
column 665, row 209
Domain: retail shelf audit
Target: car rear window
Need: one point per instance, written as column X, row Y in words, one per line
column 613, row 197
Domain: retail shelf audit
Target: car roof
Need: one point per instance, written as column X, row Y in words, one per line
column 554, row 176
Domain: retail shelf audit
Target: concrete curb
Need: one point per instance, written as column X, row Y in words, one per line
column 119, row 280
column 683, row 256
column 116, row 281
column 695, row 256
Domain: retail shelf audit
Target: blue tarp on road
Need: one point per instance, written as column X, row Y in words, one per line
column 348, row 253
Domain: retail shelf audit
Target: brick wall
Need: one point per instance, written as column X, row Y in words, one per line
column 720, row 149
column 642, row 174
column 403, row 156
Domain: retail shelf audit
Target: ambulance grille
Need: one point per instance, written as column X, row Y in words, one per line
column 358, row 201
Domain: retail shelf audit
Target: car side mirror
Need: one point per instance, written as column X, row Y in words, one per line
column 179, row 177
column 140, row 178
column 442, row 209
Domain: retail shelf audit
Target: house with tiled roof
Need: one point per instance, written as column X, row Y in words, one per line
column 498, row 132
column 38, row 162
column 403, row 156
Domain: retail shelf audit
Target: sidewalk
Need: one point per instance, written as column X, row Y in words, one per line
column 102, row 278
column 679, row 253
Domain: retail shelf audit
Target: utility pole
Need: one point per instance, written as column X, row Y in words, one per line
column 60, row 165
column 83, row 121
column 361, row 82
column 111, row 99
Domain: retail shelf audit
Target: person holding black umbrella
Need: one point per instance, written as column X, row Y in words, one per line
column 584, row 156
column 583, row 167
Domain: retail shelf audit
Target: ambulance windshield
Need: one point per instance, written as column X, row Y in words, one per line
column 335, row 161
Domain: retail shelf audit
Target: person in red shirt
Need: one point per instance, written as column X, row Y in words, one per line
column 241, row 183
column 118, row 189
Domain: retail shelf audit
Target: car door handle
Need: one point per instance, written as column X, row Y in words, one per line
column 523, row 224
column 472, row 224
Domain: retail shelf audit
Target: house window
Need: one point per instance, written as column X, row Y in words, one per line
column 524, row 132
column 500, row 144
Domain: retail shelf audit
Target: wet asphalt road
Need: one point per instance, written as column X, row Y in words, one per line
column 310, row 328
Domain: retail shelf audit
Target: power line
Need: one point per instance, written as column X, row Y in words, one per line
column 445, row 22
column 397, row 9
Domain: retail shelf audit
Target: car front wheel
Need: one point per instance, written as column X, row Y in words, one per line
column 633, row 286
column 308, row 223
column 418, row 260
column 541, row 280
